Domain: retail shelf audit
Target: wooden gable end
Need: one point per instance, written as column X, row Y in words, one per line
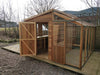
column 42, row 18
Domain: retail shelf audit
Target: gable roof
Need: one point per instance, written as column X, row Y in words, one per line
column 51, row 10
column 66, row 16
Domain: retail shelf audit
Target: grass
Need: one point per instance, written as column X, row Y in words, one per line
column 3, row 29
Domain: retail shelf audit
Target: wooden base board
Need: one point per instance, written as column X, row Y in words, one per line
column 59, row 65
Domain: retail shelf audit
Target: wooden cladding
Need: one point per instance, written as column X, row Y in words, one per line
column 27, row 38
column 88, row 42
column 40, row 29
column 50, row 31
column 56, row 42
column 43, row 18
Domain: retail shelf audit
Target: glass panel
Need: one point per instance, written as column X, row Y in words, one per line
column 42, row 29
column 87, row 43
column 72, row 44
column 57, row 18
column 58, row 34
column 45, row 29
column 84, row 50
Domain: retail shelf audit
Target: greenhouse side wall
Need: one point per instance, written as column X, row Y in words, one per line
column 97, row 46
column 72, row 43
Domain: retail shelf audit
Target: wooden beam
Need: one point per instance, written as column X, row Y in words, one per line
column 89, row 43
column 93, row 37
column 35, row 37
column 60, row 15
column 81, row 47
column 52, row 16
column 40, row 29
column 69, row 15
column 65, row 42
column 20, row 32
column 85, row 44
column 50, row 42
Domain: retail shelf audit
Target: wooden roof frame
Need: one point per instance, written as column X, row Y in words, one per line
column 67, row 18
column 62, row 15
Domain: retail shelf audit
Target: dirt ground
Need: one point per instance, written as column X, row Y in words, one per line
column 13, row 64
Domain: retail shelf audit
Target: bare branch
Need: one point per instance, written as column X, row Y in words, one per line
column 40, row 6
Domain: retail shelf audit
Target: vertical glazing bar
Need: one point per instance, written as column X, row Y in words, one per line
column 65, row 23
column 81, row 47
column 85, row 45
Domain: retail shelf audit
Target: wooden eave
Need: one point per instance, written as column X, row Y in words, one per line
column 60, row 14
column 52, row 10
column 67, row 18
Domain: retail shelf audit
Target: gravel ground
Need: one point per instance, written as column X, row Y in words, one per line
column 13, row 64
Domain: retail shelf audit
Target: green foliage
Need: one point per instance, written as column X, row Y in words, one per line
column 11, row 35
column 3, row 29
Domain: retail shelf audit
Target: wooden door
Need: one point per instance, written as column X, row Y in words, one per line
column 57, row 42
column 27, row 33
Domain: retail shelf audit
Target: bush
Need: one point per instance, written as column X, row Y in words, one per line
column 11, row 35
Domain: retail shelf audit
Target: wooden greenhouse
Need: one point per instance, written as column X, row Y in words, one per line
column 58, row 37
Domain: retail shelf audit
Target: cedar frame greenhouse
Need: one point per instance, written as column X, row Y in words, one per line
column 58, row 37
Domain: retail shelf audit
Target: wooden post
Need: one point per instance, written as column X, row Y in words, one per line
column 44, row 42
column 50, row 38
column 40, row 29
column 94, row 35
column 91, row 39
column 81, row 47
column 52, row 16
column 20, row 37
column 50, row 42
column 89, row 42
column 64, row 42
column 85, row 44
column 35, row 37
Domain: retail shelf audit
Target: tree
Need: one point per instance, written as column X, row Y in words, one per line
column 3, row 16
column 91, row 4
column 10, row 12
column 7, row 15
column 40, row 6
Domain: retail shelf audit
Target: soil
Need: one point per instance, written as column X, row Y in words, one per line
column 14, row 64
